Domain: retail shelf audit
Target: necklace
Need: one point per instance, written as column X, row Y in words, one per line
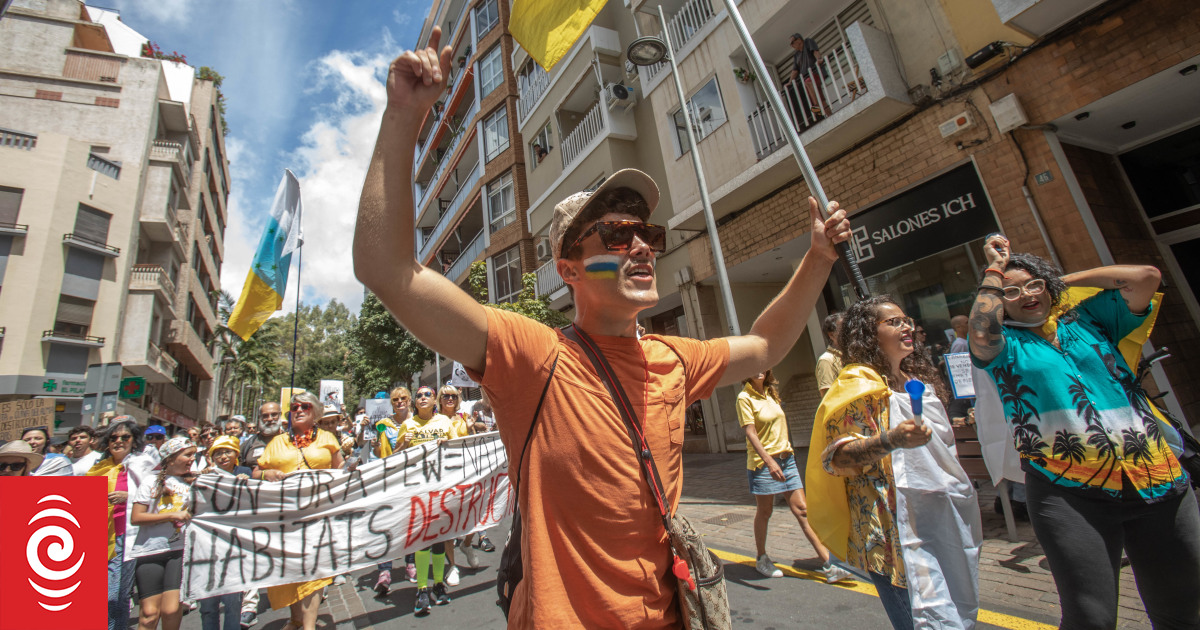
column 303, row 441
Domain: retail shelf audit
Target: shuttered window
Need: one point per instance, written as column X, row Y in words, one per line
column 10, row 204
column 92, row 224
column 74, row 315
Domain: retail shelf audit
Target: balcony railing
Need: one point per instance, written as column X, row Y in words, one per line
column 532, row 88
column 92, row 244
column 172, row 152
column 17, row 139
column 455, row 204
column 468, row 256
column 448, row 156
column 103, row 166
column 151, row 278
column 811, row 98
column 160, row 360
column 588, row 128
column 684, row 25
column 72, row 338
column 548, row 280
column 14, row 229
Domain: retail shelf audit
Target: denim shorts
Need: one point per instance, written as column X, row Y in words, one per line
column 761, row 481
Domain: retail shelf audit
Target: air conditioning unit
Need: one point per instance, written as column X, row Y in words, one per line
column 543, row 249
column 617, row 95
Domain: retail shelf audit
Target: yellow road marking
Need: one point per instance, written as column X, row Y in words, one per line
column 866, row 588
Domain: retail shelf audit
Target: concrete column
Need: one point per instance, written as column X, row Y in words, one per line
column 714, row 427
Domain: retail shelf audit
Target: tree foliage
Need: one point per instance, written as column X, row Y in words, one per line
column 527, row 303
column 384, row 352
column 205, row 73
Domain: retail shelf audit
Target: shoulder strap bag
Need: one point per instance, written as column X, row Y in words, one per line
column 703, row 600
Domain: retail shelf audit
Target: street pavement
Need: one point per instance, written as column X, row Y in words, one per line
column 1016, row 588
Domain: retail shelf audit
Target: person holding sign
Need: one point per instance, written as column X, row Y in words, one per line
column 305, row 447
column 887, row 494
column 593, row 548
column 1099, row 474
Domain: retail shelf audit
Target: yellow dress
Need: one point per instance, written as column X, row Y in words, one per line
column 281, row 454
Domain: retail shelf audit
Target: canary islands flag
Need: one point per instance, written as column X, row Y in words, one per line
column 549, row 28
column 262, row 294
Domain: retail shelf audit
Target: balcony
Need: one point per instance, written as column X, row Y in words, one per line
column 173, row 152
column 857, row 91
column 72, row 339
column 17, row 139
column 548, row 280
column 187, row 346
column 91, row 245
column 682, row 27
column 440, row 118
column 468, row 255
column 104, row 166
column 535, row 86
column 1039, row 17
column 13, row 229
column 452, row 211
column 155, row 366
column 587, row 130
column 154, row 279
column 532, row 87
column 451, row 155
column 157, row 216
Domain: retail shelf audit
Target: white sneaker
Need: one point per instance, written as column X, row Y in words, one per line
column 468, row 552
column 834, row 573
column 767, row 568
column 339, row 580
column 452, row 576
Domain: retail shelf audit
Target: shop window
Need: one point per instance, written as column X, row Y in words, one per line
column 506, row 267
column 707, row 111
column 495, row 133
column 487, row 15
column 501, row 209
column 491, row 71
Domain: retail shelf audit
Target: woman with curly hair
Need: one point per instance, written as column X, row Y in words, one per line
column 887, row 494
column 1099, row 474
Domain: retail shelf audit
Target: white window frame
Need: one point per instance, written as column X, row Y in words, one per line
column 500, row 189
column 500, row 118
column 704, row 129
column 491, row 70
column 511, row 258
column 482, row 28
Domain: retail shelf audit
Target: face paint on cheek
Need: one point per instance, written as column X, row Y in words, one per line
column 602, row 267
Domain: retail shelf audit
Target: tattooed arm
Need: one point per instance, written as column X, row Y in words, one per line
column 848, row 455
column 1137, row 283
column 987, row 315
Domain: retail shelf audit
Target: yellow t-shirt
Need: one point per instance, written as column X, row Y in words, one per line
column 418, row 431
column 281, row 454
column 768, row 419
column 828, row 366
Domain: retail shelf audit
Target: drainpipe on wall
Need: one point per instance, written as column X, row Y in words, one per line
column 1037, row 218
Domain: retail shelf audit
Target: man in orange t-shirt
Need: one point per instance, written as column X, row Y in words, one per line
column 593, row 546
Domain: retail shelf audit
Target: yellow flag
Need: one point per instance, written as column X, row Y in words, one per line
column 549, row 28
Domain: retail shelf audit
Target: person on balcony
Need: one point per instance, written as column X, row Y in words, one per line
column 806, row 80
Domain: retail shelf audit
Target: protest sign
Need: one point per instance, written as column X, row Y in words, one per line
column 459, row 377
column 332, row 393
column 958, row 365
column 285, row 396
column 18, row 415
column 378, row 409
column 248, row 534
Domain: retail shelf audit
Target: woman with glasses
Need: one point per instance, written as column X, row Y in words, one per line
column 387, row 441
column 1099, row 475
column 887, row 495
column 53, row 464
column 125, row 467
column 450, row 405
column 305, row 447
column 428, row 426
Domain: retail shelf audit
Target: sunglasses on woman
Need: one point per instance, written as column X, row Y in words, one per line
column 424, row 394
column 302, row 406
column 450, row 396
column 120, row 438
column 617, row 236
column 156, row 438
column 13, row 466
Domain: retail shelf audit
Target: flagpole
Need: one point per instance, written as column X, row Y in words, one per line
column 845, row 254
column 296, row 326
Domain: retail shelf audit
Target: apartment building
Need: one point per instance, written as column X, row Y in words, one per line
column 113, row 202
column 1075, row 134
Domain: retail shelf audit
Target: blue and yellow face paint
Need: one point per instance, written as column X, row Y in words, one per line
column 602, row 267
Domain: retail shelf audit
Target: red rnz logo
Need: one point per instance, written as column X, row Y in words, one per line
column 54, row 553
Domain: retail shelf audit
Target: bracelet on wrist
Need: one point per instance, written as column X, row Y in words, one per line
column 988, row 270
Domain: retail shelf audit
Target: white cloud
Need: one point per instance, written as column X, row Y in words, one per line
column 401, row 18
column 161, row 11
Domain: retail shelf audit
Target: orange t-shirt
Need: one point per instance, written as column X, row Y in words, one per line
column 594, row 550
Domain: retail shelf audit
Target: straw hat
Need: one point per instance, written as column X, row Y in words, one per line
column 20, row 449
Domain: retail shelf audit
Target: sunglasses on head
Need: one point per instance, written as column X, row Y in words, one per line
column 617, row 236
column 13, row 466
column 304, row 406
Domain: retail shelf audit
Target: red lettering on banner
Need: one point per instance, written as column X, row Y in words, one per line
column 55, row 553
column 473, row 505
column 445, row 510
column 430, row 519
column 415, row 505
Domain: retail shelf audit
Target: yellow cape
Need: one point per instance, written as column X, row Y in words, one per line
column 828, row 511
column 108, row 468
column 385, row 445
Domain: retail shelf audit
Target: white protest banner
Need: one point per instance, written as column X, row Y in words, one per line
column 958, row 365
column 250, row 534
column 332, row 393
column 459, row 377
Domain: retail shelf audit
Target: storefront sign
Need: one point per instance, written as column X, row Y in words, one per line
column 18, row 415
column 160, row 410
column 948, row 210
column 64, row 386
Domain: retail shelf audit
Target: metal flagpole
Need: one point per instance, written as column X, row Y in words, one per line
column 709, row 221
column 296, row 327
column 845, row 254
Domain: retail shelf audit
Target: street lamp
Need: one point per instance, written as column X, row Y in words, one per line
column 647, row 51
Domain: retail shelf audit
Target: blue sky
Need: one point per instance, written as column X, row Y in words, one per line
column 304, row 88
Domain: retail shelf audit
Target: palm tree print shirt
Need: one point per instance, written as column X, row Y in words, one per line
column 1074, row 416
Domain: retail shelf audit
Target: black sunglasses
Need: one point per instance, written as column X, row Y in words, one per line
column 424, row 394
column 156, row 437
column 123, row 436
column 617, row 236
column 13, row 466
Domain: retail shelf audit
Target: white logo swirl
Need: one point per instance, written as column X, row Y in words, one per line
column 58, row 551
